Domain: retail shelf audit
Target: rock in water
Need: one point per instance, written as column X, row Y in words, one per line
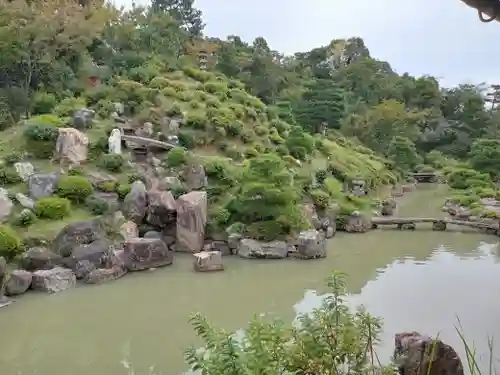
column 18, row 283
column 40, row 258
column 144, row 253
column 311, row 244
column 413, row 355
column 54, row 280
column 191, row 221
column 6, row 205
column 249, row 248
column 208, row 261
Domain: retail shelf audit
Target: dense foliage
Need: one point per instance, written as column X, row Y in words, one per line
column 272, row 132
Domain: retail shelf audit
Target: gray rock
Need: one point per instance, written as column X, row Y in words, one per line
column 42, row 185
column 18, row 283
column 24, row 170
column 153, row 234
column 83, row 268
column 250, row 248
column 414, row 352
column 76, row 234
column 145, row 253
column 329, row 232
column 83, row 119
column 3, row 271
column 25, row 201
column 161, row 208
column 208, row 261
column 97, row 253
column 221, row 246
column 40, row 258
column 6, row 205
column 311, row 244
column 195, row 177
column 54, row 280
column 135, row 203
column 233, row 240
column 103, row 275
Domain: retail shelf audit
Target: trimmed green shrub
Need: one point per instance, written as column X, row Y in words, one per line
column 176, row 157
column 10, row 243
column 122, row 190
column 52, row 208
column 75, row 188
column 112, row 162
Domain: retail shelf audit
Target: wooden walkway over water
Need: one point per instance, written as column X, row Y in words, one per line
column 410, row 223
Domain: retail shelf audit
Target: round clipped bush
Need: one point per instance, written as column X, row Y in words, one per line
column 75, row 188
column 52, row 208
column 10, row 243
column 112, row 162
column 176, row 157
column 122, row 190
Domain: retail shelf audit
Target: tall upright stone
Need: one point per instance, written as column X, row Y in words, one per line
column 191, row 221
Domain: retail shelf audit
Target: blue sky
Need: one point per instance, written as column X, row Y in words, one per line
column 443, row 38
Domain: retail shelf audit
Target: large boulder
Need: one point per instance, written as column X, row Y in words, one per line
column 24, row 170
column 388, row 207
column 129, row 230
column 54, row 280
column 191, row 221
column 18, row 282
column 208, row 261
column 6, row 205
column 311, row 244
column 40, row 258
column 416, row 354
column 135, row 203
column 83, row 118
column 249, row 248
column 162, row 208
column 357, row 223
column 76, row 234
column 96, row 253
column 71, row 146
column 42, row 185
column 25, row 201
column 102, row 275
column 195, row 177
column 3, row 271
column 144, row 253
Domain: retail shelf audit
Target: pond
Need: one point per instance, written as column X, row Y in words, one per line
column 417, row 280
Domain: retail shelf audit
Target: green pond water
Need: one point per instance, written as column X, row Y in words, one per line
column 417, row 280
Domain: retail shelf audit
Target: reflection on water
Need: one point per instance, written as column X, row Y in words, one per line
column 414, row 280
column 430, row 296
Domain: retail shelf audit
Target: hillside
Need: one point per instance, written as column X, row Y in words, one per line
column 290, row 130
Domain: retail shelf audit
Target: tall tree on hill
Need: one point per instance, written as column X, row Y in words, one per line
column 323, row 104
column 184, row 12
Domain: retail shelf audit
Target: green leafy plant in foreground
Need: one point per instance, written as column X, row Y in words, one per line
column 332, row 339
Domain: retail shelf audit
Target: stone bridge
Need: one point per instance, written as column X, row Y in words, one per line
column 437, row 224
column 143, row 142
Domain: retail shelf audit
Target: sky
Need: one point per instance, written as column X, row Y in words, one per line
column 442, row 38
